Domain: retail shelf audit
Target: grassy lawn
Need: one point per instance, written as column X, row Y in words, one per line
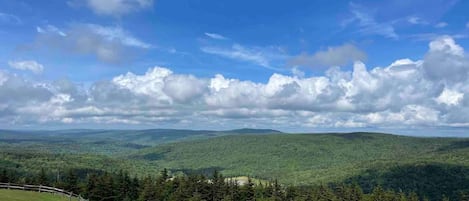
column 17, row 195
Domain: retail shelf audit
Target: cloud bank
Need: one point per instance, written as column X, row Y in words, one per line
column 431, row 92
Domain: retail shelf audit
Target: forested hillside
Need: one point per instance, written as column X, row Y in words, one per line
column 429, row 167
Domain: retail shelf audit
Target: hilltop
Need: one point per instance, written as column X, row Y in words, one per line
column 304, row 158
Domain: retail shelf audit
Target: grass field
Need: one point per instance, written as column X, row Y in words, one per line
column 17, row 195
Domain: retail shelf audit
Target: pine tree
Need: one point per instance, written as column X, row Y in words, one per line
column 217, row 186
column 277, row 194
column 90, row 189
column 463, row 195
column 247, row 191
column 42, row 178
column 105, row 188
column 149, row 190
column 413, row 197
column 356, row 192
column 71, row 181
column 444, row 198
column 325, row 194
column 4, row 176
column 402, row 196
column 378, row 194
column 290, row 193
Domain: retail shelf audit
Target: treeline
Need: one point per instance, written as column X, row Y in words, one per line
column 120, row 186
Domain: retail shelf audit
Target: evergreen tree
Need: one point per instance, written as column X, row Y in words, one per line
column 4, row 176
column 217, row 186
column 445, row 198
column 71, row 181
column 247, row 191
column 149, row 190
column 356, row 192
column 290, row 193
column 413, row 197
column 324, row 193
column 277, row 194
column 90, row 189
column 42, row 178
column 378, row 194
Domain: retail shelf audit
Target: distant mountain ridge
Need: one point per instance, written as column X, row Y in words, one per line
column 140, row 137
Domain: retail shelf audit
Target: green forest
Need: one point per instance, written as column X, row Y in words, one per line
column 280, row 166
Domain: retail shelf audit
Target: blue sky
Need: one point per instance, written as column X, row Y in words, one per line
column 310, row 53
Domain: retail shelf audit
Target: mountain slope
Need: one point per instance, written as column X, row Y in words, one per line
column 304, row 158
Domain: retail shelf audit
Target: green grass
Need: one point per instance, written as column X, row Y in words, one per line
column 17, row 195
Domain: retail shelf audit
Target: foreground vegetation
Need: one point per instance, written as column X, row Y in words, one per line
column 120, row 186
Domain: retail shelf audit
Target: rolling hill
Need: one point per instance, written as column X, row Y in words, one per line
column 108, row 142
column 423, row 165
column 305, row 158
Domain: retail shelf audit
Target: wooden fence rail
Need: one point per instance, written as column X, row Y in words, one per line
column 41, row 188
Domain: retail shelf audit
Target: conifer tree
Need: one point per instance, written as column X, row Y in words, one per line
column 247, row 191
column 149, row 191
column 71, row 181
column 42, row 178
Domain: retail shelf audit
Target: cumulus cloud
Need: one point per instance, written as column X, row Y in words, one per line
column 107, row 43
column 445, row 61
column 404, row 94
column 333, row 56
column 113, row 7
column 30, row 65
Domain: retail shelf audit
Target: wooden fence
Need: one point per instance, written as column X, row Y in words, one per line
column 41, row 188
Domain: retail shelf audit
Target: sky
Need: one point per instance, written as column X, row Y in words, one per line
column 297, row 66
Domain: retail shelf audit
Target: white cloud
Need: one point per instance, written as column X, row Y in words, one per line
column 404, row 94
column 445, row 61
column 117, row 34
column 50, row 29
column 256, row 55
column 416, row 20
column 333, row 56
column 30, row 65
column 368, row 24
column 450, row 97
column 107, row 43
column 215, row 36
column 441, row 25
column 117, row 7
